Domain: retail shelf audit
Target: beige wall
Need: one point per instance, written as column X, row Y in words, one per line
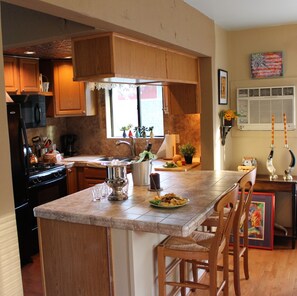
column 10, row 274
column 257, row 143
column 222, row 153
column 166, row 21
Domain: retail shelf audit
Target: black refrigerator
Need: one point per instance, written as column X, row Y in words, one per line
column 19, row 166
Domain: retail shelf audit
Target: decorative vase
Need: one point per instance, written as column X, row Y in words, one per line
column 124, row 134
column 188, row 159
column 228, row 122
column 151, row 134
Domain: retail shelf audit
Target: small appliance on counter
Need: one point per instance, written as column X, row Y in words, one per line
column 67, row 144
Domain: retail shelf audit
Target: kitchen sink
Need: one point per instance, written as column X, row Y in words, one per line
column 110, row 158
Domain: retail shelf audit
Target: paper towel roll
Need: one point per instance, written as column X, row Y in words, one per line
column 170, row 146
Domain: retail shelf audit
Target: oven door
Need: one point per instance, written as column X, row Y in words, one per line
column 42, row 193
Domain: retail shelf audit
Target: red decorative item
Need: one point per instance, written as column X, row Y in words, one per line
column 130, row 134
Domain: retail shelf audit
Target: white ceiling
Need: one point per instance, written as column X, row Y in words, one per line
column 243, row 14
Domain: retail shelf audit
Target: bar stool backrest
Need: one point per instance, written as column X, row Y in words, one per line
column 225, row 220
column 246, row 186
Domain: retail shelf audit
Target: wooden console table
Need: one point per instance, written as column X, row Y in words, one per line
column 264, row 184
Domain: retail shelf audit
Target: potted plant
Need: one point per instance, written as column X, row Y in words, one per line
column 143, row 131
column 227, row 117
column 151, row 130
column 124, row 129
column 188, row 151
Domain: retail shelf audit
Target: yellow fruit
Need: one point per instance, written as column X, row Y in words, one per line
column 176, row 157
column 179, row 163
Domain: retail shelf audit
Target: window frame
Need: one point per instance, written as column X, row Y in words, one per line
column 110, row 116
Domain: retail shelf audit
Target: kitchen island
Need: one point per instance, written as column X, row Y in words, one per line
column 108, row 248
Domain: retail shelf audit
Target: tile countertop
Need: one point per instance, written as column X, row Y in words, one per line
column 82, row 160
column 93, row 161
column 203, row 188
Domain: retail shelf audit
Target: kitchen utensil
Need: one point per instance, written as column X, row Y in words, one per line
column 36, row 140
column 33, row 159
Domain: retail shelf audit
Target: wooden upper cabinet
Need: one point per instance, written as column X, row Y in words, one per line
column 182, row 98
column 181, row 67
column 138, row 60
column 117, row 58
column 21, row 75
column 92, row 57
column 29, row 75
column 11, row 74
column 70, row 97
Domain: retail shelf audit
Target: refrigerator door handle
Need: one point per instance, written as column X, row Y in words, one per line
column 25, row 139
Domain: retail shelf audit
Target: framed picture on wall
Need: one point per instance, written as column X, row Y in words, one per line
column 266, row 65
column 261, row 221
column 223, row 87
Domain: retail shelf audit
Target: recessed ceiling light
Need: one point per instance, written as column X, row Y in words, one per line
column 29, row 52
column 69, row 57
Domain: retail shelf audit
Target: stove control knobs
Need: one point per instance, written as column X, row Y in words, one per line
column 58, row 174
column 36, row 180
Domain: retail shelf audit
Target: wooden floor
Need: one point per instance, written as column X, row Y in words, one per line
column 272, row 273
column 31, row 274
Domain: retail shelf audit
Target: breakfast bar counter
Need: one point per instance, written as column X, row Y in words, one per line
column 105, row 246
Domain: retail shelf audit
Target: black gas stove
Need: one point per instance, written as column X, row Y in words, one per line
column 45, row 172
column 46, row 183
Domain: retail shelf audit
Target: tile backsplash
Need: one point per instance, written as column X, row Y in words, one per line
column 91, row 133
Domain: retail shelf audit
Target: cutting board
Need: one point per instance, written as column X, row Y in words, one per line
column 183, row 168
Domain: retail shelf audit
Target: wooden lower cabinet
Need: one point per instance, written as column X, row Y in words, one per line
column 88, row 176
column 72, row 185
column 76, row 259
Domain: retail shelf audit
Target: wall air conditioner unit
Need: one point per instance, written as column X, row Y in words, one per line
column 256, row 106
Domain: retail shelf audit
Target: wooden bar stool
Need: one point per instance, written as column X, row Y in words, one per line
column 201, row 250
column 240, row 225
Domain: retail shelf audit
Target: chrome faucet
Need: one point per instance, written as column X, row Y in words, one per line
column 131, row 146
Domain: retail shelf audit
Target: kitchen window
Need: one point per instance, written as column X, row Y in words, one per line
column 134, row 105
